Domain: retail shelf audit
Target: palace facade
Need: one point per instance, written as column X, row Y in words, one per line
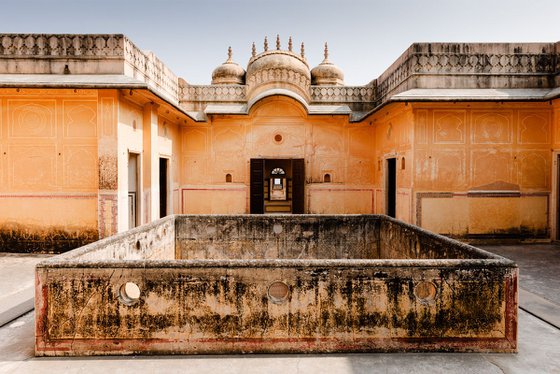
column 98, row 136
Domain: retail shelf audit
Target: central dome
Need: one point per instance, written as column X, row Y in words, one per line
column 278, row 60
column 273, row 69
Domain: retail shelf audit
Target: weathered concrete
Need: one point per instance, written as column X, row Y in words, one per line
column 364, row 294
column 538, row 348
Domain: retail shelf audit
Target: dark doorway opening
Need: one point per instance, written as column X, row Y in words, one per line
column 163, row 162
column 277, row 186
column 133, row 191
column 391, row 187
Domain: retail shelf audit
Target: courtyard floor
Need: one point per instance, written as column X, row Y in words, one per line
column 538, row 336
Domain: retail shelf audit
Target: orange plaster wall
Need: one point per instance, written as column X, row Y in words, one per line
column 225, row 145
column 49, row 160
column 394, row 131
column 469, row 155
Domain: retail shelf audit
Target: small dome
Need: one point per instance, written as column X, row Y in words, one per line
column 327, row 73
column 229, row 72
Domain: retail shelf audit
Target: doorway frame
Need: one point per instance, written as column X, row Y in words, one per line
column 139, row 185
column 252, row 185
column 387, row 184
column 168, row 189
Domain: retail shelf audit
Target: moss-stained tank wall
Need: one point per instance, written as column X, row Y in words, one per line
column 241, row 305
column 273, row 237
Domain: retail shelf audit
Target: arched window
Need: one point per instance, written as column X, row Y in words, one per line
column 327, row 178
column 228, row 178
column 278, row 171
column 403, row 164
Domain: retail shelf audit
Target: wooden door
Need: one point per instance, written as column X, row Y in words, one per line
column 257, row 186
column 298, row 186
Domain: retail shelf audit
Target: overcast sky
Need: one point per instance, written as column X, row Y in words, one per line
column 364, row 37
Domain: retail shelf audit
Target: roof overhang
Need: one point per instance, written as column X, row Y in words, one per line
column 84, row 81
column 473, row 94
column 464, row 94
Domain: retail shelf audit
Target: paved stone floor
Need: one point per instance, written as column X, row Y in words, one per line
column 17, row 273
column 539, row 343
column 17, row 284
column 539, row 267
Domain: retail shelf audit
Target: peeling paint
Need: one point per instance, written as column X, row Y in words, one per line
column 107, row 172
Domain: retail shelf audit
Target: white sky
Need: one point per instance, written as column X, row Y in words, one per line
column 364, row 37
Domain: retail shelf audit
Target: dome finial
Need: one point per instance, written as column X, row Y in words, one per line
column 326, row 51
column 278, row 42
column 229, row 54
column 265, row 44
column 253, row 50
column 290, row 44
column 302, row 50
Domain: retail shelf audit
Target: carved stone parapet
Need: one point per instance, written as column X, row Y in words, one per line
column 338, row 94
column 486, row 63
column 153, row 70
column 61, row 45
column 217, row 93
column 85, row 54
column 469, row 66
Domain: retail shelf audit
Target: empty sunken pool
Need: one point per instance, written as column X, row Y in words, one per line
column 299, row 283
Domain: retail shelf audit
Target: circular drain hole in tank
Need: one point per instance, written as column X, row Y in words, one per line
column 425, row 291
column 277, row 228
column 278, row 138
column 129, row 293
column 278, row 292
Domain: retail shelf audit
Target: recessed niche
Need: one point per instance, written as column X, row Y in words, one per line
column 228, row 178
column 327, row 178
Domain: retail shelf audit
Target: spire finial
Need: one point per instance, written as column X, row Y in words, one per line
column 253, row 50
column 290, row 44
column 326, row 51
column 265, row 44
column 229, row 54
column 278, row 42
column 302, row 50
